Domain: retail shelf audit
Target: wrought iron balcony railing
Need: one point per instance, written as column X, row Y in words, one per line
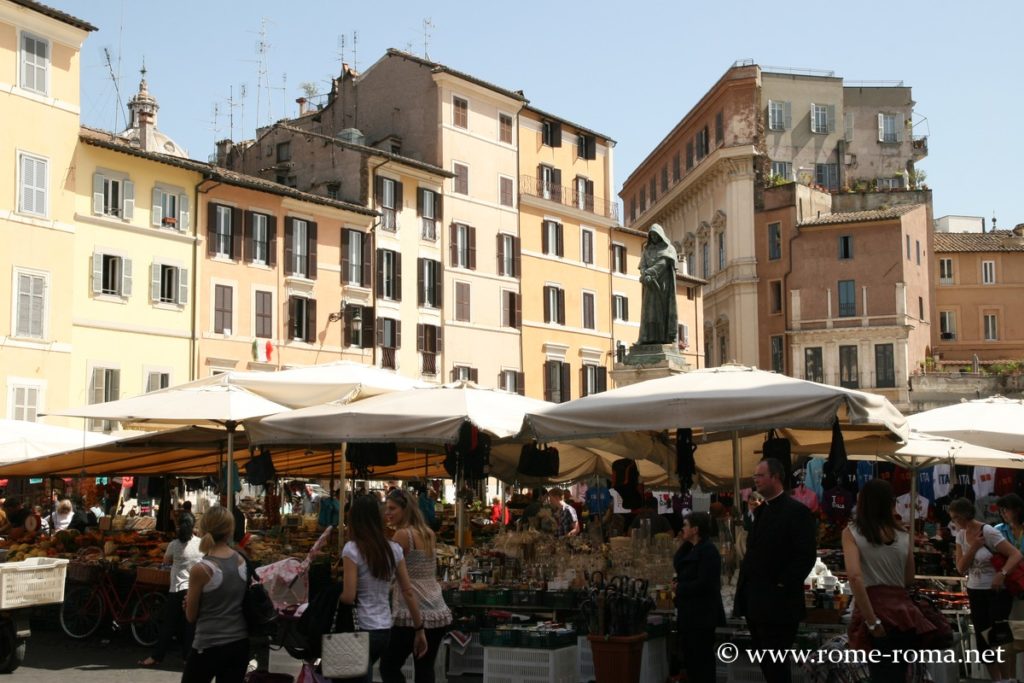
column 568, row 196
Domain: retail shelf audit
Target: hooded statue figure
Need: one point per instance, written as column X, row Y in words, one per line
column 658, row 319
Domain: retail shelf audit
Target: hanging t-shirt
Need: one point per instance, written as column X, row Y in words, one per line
column 664, row 502
column 865, row 472
column 812, row 475
column 926, row 483
column 598, row 499
column 903, row 507
column 837, row 504
column 682, row 501
column 701, row 500
column 986, row 509
column 617, row 506
column 984, row 481
column 942, row 482
column 807, row 497
column 1006, row 481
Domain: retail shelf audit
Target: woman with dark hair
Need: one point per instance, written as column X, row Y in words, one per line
column 976, row 542
column 698, row 597
column 370, row 563
column 182, row 553
column 880, row 565
column 417, row 541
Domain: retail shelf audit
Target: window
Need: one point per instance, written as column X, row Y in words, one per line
column 358, row 327
column 689, row 155
column 430, row 211
column 429, row 342
column 848, row 377
column 35, row 64
column 890, row 128
column 460, row 183
column 33, row 181
column 464, row 373
column 334, row 190
column 587, row 246
column 111, row 275
column 664, row 179
column 885, row 369
column 719, row 129
column 643, row 200
column 779, row 115
column 721, row 251
column 549, row 182
column 168, row 284
column 723, row 349
column 264, row 315
column 701, row 142
column 945, row 271
column 991, row 327
column 300, row 248
column 618, row 258
column 683, row 336
column 463, row 246
column 783, row 169
column 462, row 303
column 823, row 118
column 389, row 338
column 890, row 183
column 778, row 356
column 917, row 248
column 827, row 175
column 25, row 403
column 593, row 379
column 259, row 245
column 556, row 381
column 775, row 288
column 506, row 195
column 620, row 307
column 586, row 147
column 551, row 238
column 302, row 319
column 505, row 128
column 583, row 193
column 157, row 380
column 223, row 309
column 848, row 126
column 908, row 247
column 113, row 196
column 774, row 241
column 676, row 168
column 222, row 232
column 169, row 209
column 588, row 311
column 554, row 305
column 847, row 298
column 845, row 247
column 508, row 255
column 705, row 260
column 389, row 200
column 30, row 304
column 389, row 274
column 429, row 283
column 355, row 262
column 920, row 307
column 460, row 112
column 947, row 325
column 813, row 369
column 105, row 386
column 551, row 134
column 988, row 272
column 512, row 381
column 284, row 151
column 511, row 310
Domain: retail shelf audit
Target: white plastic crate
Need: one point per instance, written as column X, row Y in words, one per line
column 653, row 662
column 470, row 661
column 35, row 581
column 527, row 665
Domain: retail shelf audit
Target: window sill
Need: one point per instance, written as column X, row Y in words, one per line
column 168, row 306
column 222, row 258
column 111, row 298
column 299, row 280
column 259, row 266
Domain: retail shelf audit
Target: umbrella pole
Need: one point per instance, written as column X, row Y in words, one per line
column 228, row 466
column 343, row 471
column 737, row 463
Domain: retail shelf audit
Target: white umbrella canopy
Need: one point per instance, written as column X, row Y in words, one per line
column 21, row 440
column 726, row 398
column 920, row 450
column 575, row 462
column 994, row 422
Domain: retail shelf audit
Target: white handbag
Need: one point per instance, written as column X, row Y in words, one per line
column 344, row 655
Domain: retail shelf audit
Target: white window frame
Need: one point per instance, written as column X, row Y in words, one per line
column 16, row 304
column 990, row 324
column 123, row 290
column 508, row 243
column 619, row 254
column 24, row 63
column 584, row 233
column 554, row 309
column 223, row 230
column 821, row 118
column 355, row 259
column 389, row 274
column 159, row 208
column 783, row 169
column 429, row 218
column 431, row 267
column 547, row 181
column 946, row 271
column 581, row 192
column 462, row 245
column 589, row 379
column 778, row 115
column 150, row 372
column 104, row 181
column 40, row 194
column 260, row 238
column 102, row 425
column 389, row 214
column 620, row 306
column 890, row 128
column 510, row 380
column 304, row 315
column 947, row 324
column 551, row 227
column 584, row 296
column 159, row 272
column 26, row 385
column 988, row 272
column 300, row 248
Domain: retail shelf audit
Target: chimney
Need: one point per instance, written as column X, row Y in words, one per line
column 302, row 105
column 146, row 140
column 224, row 149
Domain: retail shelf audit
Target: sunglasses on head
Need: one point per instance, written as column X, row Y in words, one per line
column 399, row 497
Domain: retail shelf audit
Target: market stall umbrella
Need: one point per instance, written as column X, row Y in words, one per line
column 575, row 462
column 994, row 422
column 21, row 440
column 220, row 404
column 920, row 450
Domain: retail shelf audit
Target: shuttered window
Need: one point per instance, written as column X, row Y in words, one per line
column 30, row 300
column 223, row 309
column 35, row 64
column 33, row 183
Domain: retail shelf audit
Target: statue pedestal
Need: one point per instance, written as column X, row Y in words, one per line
column 648, row 361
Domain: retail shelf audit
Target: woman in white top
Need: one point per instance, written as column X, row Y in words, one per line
column 975, row 544
column 182, row 553
column 371, row 563
column 61, row 516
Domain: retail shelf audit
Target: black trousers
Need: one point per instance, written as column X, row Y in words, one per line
column 698, row 648
column 173, row 624
column 223, row 663
column 886, row 670
column 399, row 649
column 768, row 636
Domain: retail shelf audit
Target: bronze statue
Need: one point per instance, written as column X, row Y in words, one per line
column 658, row 318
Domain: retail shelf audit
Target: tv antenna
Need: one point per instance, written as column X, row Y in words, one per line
column 263, row 69
column 428, row 27
column 116, row 80
column 284, row 96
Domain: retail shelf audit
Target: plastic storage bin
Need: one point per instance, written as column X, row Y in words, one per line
column 527, row 665
column 35, row 581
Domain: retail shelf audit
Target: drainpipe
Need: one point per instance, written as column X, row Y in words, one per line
column 373, row 266
column 785, row 284
column 193, row 336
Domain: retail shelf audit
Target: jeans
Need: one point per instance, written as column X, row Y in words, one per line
column 378, row 644
column 225, row 663
column 399, row 649
column 766, row 636
column 173, row 623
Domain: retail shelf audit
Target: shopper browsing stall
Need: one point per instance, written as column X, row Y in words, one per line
column 698, row 602
column 182, row 554
column 566, row 519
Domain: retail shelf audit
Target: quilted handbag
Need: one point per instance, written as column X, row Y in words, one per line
column 344, row 655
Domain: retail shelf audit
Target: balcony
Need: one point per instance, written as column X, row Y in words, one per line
column 387, row 358
column 429, row 363
column 569, row 196
column 428, row 229
column 919, row 146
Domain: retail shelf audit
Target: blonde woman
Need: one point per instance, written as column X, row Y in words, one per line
column 216, row 587
column 417, row 540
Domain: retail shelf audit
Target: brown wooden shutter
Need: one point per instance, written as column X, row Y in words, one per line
column 439, row 331
column 380, row 272
column 398, row 334
column 566, row 392
column 583, row 381
column 625, row 308
column 545, row 242
column 289, row 245
column 547, row 304
column 311, row 320
column 438, row 284
column 367, row 275
column 561, row 306
column 272, row 241
column 419, row 200
column 589, row 199
column 380, row 332
column 292, row 304
column 438, row 209
column 474, row 375
column 347, row 332
column 399, row 196
column 368, row 327
column 421, row 285
column 398, row 276
column 556, row 181
column 211, row 228
column 548, row 388
column 501, row 254
column 521, row 383
column 378, row 190
column 517, row 259
column 472, row 248
column 346, row 263
column 236, row 234
column 539, row 190
column 556, row 133
column 311, row 243
column 602, row 379
column 419, row 336
column 519, row 309
column 559, row 241
column 247, row 250
column 453, row 243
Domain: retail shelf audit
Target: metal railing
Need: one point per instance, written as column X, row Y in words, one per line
column 429, row 363
column 428, row 228
column 568, row 196
column 388, row 358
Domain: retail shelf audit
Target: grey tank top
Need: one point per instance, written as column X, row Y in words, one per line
column 882, row 565
column 220, row 610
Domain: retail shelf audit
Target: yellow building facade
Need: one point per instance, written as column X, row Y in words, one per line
column 39, row 83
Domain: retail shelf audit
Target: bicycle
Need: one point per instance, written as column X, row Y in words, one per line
column 86, row 605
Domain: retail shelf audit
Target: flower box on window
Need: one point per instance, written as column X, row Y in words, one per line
column 170, row 221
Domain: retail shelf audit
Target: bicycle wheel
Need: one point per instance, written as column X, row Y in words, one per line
column 82, row 611
column 146, row 616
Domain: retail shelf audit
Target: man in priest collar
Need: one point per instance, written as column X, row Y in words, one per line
column 781, row 550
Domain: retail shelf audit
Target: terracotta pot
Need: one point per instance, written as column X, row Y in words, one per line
column 617, row 659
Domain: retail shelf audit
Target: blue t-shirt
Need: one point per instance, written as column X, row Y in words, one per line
column 865, row 473
column 813, row 474
column 926, row 483
column 598, row 500
column 1007, row 533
